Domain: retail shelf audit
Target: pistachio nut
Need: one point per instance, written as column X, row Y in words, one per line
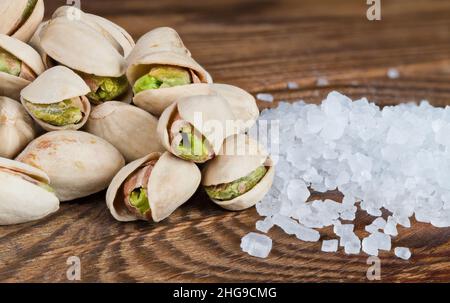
column 88, row 53
column 152, row 188
column 240, row 176
column 19, row 65
column 116, row 35
column 17, row 129
column 160, row 64
column 79, row 164
column 20, row 18
column 193, row 128
column 130, row 129
column 56, row 100
column 25, row 194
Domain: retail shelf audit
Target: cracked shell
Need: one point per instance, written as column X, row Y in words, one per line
column 171, row 183
column 239, row 157
column 24, row 193
column 79, row 164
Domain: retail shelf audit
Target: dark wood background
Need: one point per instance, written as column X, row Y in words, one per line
column 259, row 45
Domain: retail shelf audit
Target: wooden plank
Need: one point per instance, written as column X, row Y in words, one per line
column 259, row 45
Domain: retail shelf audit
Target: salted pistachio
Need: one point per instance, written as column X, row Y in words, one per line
column 152, row 188
column 20, row 64
column 79, row 164
column 193, row 128
column 240, row 175
column 56, row 100
column 159, row 64
column 130, row 129
column 162, row 77
column 25, row 193
column 99, row 63
column 17, row 128
column 20, row 18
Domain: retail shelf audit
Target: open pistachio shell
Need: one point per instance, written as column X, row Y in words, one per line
column 19, row 18
column 78, row 164
column 25, row 194
column 238, row 158
column 210, row 116
column 242, row 104
column 87, row 50
column 54, row 86
column 17, row 129
column 116, row 35
column 171, row 183
column 30, row 66
column 130, row 129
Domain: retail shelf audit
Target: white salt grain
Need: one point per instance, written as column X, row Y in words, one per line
column 256, row 245
column 265, row 97
column 393, row 73
column 292, row 85
column 403, row 253
column 330, row 245
column 322, row 81
column 264, row 225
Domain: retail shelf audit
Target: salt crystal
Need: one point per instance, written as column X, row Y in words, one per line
column 297, row 191
column 292, row 85
column 322, row 81
column 256, row 245
column 352, row 247
column 264, row 225
column 403, row 253
column 330, row 245
column 391, row 227
column 265, row 97
column 393, row 73
column 369, row 246
column 307, row 234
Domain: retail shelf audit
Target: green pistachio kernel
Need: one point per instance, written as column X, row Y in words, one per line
column 105, row 88
column 192, row 147
column 162, row 77
column 57, row 114
column 31, row 4
column 229, row 191
column 9, row 64
column 139, row 199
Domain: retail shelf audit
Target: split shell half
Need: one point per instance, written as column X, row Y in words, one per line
column 209, row 115
column 17, row 129
column 21, row 198
column 11, row 12
column 78, row 164
column 10, row 85
column 130, row 129
column 53, row 86
column 172, row 182
column 240, row 155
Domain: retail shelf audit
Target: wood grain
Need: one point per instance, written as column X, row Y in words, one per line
column 259, row 45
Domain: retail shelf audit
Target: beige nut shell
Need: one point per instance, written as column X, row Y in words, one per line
column 171, row 183
column 130, row 129
column 79, row 164
column 214, row 110
column 11, row 13
column 55, row 85
column 17, row 129
column 10, row 85
column 21, row 200
column 239, row 156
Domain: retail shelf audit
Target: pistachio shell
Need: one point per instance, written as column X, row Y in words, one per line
column 22, row 200
column 115, row 34
column 130, row 129
column 78, row 164
column 12, row 11
column 203, row 112
column 239, row 156
column 242, row 103
column 87, row 50
column 171, row 183
column 17, row 129
column 11, row 85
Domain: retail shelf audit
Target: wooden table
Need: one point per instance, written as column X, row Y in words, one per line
column 259, row 45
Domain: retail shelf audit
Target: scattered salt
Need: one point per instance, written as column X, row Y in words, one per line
column 403, row 253
column 264, row 225
column 393, row 73
column 256, row 245
column 265, row 97
column 292, row 85
column 322, row 81
column 330, row 245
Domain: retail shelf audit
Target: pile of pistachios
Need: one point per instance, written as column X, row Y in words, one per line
column 83, row 108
